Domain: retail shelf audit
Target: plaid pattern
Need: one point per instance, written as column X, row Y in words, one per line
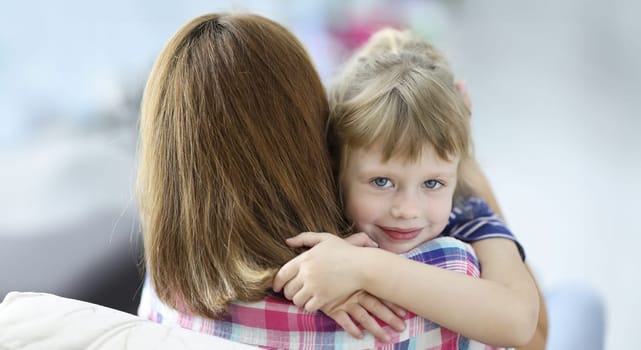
column 275, row 323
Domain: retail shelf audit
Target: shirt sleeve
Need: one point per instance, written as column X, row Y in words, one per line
column 473, row 220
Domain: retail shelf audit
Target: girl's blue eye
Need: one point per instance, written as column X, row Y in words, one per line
column 432, row 184
column 381, row 182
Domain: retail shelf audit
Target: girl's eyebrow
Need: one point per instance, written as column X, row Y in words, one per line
column 442, row 175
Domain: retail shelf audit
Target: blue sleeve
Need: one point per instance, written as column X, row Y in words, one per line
column 472, row 220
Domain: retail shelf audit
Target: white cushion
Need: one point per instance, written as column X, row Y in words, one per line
column 46, row 321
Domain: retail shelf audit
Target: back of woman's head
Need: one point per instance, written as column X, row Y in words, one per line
column 233, row 160
column 397, row 92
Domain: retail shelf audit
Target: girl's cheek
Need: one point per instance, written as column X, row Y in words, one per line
column 360, row 212
column 440, row 214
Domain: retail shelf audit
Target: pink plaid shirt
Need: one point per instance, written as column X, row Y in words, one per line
column 275, row 323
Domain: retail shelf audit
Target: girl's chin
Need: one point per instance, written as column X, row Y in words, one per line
column 397, row 248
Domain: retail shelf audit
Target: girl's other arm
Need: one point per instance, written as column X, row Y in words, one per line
column 481, row 185
column 541, row 334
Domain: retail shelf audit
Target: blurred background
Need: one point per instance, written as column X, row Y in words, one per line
column 555, row 116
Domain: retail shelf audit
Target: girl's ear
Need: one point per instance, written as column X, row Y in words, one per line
column 461, row 87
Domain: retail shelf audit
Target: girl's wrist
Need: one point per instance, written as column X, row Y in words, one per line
column 370, row 261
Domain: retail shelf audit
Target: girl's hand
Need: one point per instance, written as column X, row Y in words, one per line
column 305, row 279
column 327, row 273
column 362, row 307
column 360, row 240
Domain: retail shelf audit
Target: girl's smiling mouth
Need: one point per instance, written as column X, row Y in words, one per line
column 401, row 234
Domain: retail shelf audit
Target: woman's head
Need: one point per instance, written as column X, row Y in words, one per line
column 233, row 160
column 397, row 94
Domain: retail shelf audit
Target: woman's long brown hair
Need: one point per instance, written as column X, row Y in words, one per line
column 233, row 160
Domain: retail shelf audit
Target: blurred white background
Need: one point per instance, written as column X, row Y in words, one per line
column 553, row 86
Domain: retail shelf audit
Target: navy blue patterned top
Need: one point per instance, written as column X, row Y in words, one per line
column 472, row 220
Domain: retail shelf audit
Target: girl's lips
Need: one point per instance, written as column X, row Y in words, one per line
column 401, row 234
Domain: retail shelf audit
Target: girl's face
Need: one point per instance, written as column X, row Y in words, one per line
column 399, row 204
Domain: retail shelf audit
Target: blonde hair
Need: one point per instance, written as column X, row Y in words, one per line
column 233, row 160
column 398, row 92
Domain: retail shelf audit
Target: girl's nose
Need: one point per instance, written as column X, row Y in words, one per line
column 405, row 208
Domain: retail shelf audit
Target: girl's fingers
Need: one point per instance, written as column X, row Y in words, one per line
column 291, row 288
column 346, row 322
column 399, row 311
column 301, row 298
column 376, row 307
column 285, row 274
column 307, row 239
column 360, row 315
column 361, row 239
column 313, row 304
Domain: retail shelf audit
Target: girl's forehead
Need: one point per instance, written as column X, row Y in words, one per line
column 427, row 152
column 374, row 155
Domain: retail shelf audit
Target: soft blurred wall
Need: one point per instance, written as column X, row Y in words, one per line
column 555, row 116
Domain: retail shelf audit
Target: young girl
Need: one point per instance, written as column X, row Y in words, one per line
column 400, row 132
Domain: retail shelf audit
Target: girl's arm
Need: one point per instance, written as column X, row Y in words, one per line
column 499, row 311
column 481, row 186
column 541, row 334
